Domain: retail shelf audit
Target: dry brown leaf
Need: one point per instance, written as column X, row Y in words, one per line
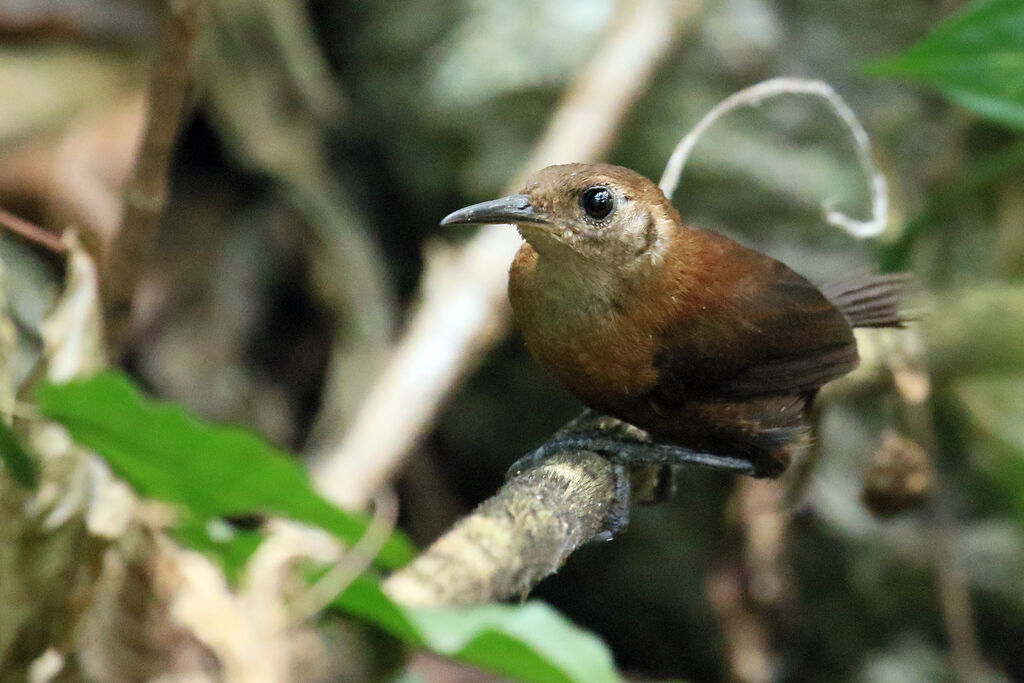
column 77, row 482
column 73, row 332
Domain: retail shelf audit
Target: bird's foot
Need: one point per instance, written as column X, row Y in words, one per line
column 625, row 454
column 641, row 485
column 616, row 520
column 632, row 452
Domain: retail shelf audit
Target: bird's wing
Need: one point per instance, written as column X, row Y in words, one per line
column 771, row 333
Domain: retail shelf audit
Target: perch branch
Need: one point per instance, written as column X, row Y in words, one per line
column 514, row 539
column 145, row 193
column 527, row 530
column 463, row 310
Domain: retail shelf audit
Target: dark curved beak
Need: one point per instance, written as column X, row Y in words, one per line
column 512, row 209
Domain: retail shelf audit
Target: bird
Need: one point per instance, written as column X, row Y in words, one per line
column 715, row 350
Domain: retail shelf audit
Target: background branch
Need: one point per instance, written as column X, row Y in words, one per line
column 145, row 193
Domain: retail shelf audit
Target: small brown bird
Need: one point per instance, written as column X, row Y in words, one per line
column 714, row 349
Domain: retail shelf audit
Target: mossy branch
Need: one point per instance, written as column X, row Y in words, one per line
column 514, row 539
column 528, row 529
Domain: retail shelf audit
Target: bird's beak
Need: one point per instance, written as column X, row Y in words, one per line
column 514, row 209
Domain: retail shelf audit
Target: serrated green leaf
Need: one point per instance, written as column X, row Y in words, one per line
column 976, row 58
column 529, row 642
column 213, row 471
column 16, row 459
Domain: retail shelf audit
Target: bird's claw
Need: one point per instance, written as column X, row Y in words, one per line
column 632, row 452
column 625, row 453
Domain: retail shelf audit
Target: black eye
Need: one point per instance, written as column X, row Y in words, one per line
column 598, row 202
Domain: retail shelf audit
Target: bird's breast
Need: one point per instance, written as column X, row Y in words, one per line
column 580, row 332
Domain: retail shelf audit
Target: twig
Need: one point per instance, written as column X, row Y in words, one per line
column 145, row 193
column 516, row 538
column 32, row 232
column 752, row 97
column 957, row 612
column 751, row 589
column 913, row 384
column 463, row 309
column 748, row 642
column 353, row 562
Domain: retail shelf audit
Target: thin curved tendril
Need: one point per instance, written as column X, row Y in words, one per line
column 354, row 561
column 753, row 96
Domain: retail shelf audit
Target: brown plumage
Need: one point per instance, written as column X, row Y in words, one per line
column 683, row 332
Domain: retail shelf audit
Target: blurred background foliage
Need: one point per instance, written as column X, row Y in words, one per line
column 325, row 141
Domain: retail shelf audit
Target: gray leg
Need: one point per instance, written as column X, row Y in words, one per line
column 627, row 451
column 617, row 519
column 592, row 432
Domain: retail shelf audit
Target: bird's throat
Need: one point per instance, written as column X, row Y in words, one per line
column 562, row 290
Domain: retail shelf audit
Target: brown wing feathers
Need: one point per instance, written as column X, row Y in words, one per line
column 792, row 336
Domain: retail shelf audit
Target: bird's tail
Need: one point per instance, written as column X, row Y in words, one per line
column 871, row 299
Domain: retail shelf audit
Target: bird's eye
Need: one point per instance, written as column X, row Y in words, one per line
column 598, row 202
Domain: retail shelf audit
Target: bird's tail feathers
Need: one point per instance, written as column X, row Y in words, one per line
column 872, row 299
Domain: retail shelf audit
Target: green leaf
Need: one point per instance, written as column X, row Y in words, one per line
column 232, row 549
column 975, row 57
column 529, row 642
column 994, row 405
column 213, row 471
column 364, row 598
column 16, row 459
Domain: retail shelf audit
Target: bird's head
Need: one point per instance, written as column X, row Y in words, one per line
column 599, row 214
